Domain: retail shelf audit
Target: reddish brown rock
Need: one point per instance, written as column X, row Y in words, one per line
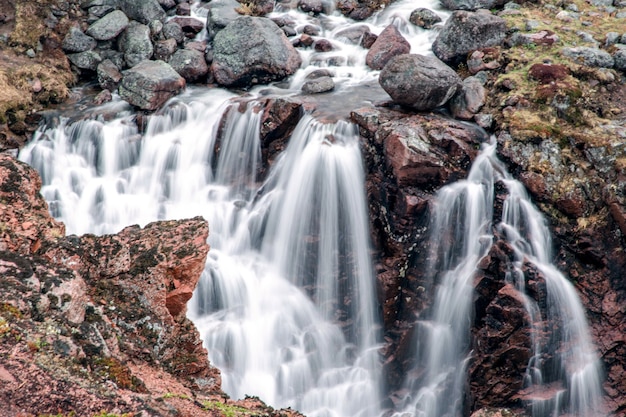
column 389, row 43
column 547, row 73
column 97, row 324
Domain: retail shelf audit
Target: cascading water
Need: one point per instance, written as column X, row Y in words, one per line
column 279, row 277
column 462, row 234
column 286, row 305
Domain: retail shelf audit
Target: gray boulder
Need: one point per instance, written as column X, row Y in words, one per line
column 471, row 4
column 190, row 64
column 109, row 26
column 424, row 18
column 592, row 57
column 164, row 49
column 135, row 43
column 389, row 43
column 221, row 13
column 619, row 58
column 150, row 84
column 172, row 30
column 77, row 41
column 87, row 60
column 319, row 81
column 144, row 11
column 469, row 99
column 252, row 50
column 353, row 34
column 109, row 75
column 420, row 82
column 465, row 32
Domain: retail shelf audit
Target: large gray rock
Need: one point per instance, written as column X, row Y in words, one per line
column 619, row 58
column 252, row 50
column 87, row 60
column 221, row 13
column 465, row 32
column 172, row 30
column 144, row 11
column 318, row 85
column 471, row 4
column 77, row 41
column 424, row 18
column 109, row 75
column 150, row 84
column 190, row 64
column 593, row 57
column 109, row 26
column 420, row 82
column 469, row 99
column 135, row 43
column 389, row 43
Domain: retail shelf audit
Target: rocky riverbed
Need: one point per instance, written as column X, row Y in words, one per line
column 546, row 78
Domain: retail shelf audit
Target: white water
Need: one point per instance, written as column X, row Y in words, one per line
column 286, row 305
column 462, row 234
column 282, row 272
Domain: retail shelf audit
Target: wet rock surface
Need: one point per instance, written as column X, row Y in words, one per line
column 559, row 119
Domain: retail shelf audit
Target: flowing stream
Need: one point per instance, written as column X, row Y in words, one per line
column 463, row 231
column 286, row 305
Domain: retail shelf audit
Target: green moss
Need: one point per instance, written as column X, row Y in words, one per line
column 114, row 370
column 11, row 310
column 227, row 410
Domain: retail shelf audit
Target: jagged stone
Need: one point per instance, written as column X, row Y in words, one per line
column 77, row 41
column 109, row 75
column 136, row 44
column 469, row 99
column 150, row 84
column 109, row 26
column 87, row 60
column 143, row 11
column 190, row 64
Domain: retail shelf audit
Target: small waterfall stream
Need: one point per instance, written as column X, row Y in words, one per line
column 286, row 305
column 463, row 231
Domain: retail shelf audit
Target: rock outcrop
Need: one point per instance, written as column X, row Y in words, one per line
column 96, row 324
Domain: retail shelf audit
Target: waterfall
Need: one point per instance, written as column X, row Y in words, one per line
column 286, row 302
column 286, row 305
column 463, row 231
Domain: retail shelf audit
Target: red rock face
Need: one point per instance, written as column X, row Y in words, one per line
column 91, row 324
